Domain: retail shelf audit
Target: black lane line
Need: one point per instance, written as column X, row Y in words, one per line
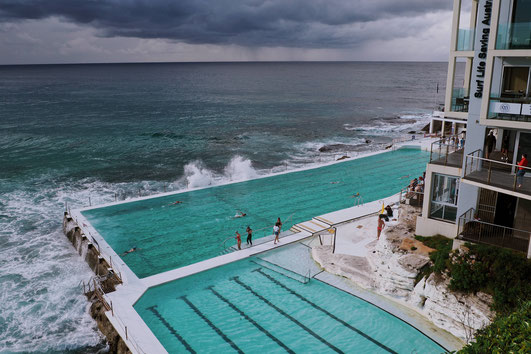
column 170, row 328
column 276, row 271
column 322, row 340
column 213, row 326
column 381, row 345
column 262, row 329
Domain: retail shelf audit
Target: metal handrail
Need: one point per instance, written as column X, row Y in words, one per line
column 490, row 224
column 117, row 273
column 492, row 234
column 443, row 142
column 94, row 285
column 128, row 337
column 481, row 161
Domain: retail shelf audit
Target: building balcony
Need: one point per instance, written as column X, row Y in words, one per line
column 471, row 228
column 465, row 39
column 513, row 106
column 514, row 36
column 494, row 173
column 460, row 99
column 447, row 152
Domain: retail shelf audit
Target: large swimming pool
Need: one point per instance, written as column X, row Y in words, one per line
column 169, row 236
column 267, row 304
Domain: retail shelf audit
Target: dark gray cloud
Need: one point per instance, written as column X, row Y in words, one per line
column 254, row 23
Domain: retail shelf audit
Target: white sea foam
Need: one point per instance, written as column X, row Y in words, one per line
column 196, row 174
column 42, row 308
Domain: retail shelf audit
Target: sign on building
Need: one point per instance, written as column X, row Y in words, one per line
column 506, row 108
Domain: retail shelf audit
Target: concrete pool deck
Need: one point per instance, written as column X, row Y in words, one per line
column 127, row 322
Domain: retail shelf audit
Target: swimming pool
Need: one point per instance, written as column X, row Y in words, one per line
column 171, row 236
column 271, row 304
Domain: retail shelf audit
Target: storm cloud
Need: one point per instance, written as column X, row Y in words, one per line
column 248, row 23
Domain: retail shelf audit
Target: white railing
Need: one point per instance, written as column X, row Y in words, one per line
column 108, row 258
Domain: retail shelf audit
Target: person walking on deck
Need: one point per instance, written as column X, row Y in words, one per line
column 249, row 236
column 239, row 240
column 381, row 225
column 521, row 170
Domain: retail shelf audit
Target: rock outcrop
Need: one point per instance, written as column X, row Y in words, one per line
column 391, row 268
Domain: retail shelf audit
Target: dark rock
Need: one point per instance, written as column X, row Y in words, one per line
column 337, row 147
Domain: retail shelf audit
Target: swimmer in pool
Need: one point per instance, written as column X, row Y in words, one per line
column 176, row 202
column 239, row 215
column 130, row 251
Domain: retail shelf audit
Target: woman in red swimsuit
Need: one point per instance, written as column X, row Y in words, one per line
column 381, row 225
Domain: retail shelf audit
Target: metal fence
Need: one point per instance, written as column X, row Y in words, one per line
column 497, row 173
column 470, row 228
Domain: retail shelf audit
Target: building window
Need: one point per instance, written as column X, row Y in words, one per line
column 444, row 197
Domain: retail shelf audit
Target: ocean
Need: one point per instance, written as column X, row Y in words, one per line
column 89, row 134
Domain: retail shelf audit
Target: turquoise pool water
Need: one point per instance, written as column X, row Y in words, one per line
column 258, row 306
column 171, row 236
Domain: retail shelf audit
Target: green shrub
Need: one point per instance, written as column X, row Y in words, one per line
column 467, row 275
column 506, row 334
column 413, row 248
column 500, row 272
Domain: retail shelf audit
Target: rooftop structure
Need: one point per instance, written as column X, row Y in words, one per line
column 474, row 192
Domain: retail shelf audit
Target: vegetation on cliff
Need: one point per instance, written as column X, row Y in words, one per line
column 509, row 333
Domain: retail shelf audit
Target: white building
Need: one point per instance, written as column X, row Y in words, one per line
column 470, row 193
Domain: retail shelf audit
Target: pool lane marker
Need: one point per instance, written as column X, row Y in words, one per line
column 170, row 328
column 213, row 326
column 321, row 219
column 321, row 339
column 262, row 329
column 381, row 345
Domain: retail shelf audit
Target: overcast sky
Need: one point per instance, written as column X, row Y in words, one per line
column 86, row 31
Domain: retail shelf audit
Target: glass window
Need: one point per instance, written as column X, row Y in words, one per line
column 444, row 197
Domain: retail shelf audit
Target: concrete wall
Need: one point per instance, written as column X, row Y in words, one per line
column 432, row 227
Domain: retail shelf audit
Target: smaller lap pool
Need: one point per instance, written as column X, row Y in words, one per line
column 272, row 304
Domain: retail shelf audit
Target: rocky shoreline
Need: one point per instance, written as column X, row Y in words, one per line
column 105, row 281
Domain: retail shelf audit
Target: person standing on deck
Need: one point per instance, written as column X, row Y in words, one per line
column 249, row 236
column 490, row 141
column 239, row 240
column 381, row 225
column 521, row 171
column 276, row 231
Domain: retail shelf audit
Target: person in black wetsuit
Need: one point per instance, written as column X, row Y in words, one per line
column 389, row 211
column 249, row 236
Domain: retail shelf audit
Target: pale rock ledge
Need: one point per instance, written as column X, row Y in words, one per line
column 389, row 267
